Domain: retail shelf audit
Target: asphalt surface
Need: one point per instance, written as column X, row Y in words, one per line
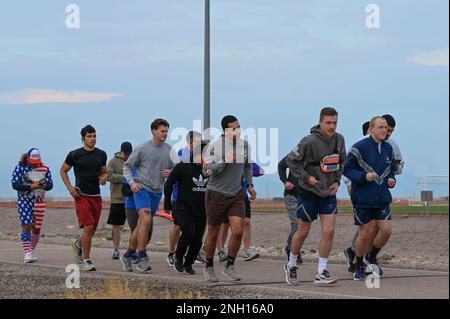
column 262, row 276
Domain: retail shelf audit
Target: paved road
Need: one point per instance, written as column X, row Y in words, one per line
column 262, row 275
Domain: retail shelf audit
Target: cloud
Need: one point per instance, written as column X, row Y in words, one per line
column 434, row 58
column 40, row 96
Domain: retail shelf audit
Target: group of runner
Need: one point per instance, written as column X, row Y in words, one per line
column 208, row 189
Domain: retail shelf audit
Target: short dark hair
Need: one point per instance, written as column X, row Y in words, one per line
column 365, row 127
column 227, row 120
column 159, row 122
column 87, row 129
column 389, row 119
column 126, row 148
column 327, row 111
column 190, row 135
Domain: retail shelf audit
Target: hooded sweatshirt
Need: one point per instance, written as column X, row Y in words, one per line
column 115, row 178
column 303, row 162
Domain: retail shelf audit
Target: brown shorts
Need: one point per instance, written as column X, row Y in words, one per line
column 219, row 207
column 88, row 210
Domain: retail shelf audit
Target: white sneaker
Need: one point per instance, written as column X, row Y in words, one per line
column 34, row 256
column 28, row 258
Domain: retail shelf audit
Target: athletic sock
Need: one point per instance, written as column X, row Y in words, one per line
column 373, row 254
column 292, row 260
column 230, row 261
column 322, row 265
column 359, row 261
column 26, row 242
column 209, row 262
column 142, row 254
column 34, row 240
column 129, row 253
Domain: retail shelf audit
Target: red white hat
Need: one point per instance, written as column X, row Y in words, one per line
column 34, row 156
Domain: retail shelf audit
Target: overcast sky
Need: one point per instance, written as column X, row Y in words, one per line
column 274, row 64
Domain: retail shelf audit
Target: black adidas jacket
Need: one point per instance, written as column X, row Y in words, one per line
column 191, row 189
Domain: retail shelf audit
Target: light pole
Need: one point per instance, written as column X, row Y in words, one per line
column 206, row 92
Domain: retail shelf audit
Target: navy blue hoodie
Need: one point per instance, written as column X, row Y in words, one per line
column 363, row 158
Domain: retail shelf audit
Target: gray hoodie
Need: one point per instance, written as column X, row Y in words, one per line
column 304, row 158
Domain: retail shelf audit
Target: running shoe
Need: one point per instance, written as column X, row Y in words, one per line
column 116, row 254
column 28, row 258
column 126, row 263
column 359, row 274
column 372, row 266
column 87, row 266
column 171, row 260
column 349, row 258
column 178, row 265
column 210, row 274
column 231, row 274
column 251, row 254
column 144, row 264
column 34, row 256
column 325, row 278
column 76, row 252
column 189, row 270
column 222, row 256
column 291, row 275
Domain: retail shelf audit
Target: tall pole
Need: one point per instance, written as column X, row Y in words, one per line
column 206, row 99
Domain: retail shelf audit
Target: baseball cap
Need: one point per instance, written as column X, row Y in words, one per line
column 34, row 156
column 126, row 148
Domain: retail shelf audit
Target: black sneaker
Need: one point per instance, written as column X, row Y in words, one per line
column 178, row 265
column 349, row 257
column 372, row 266
column 189, row 270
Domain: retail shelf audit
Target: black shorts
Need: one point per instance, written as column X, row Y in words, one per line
column 117, row 215
column 248, row 208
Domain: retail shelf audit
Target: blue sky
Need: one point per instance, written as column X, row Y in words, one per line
column 274, row 64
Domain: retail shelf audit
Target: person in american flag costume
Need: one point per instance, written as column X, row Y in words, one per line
column 31, row 179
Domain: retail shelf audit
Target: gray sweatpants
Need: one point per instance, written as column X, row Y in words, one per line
column 292, row 207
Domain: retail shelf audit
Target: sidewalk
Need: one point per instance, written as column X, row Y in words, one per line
column 260, row 274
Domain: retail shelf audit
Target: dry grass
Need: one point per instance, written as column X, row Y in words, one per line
column 116, row 288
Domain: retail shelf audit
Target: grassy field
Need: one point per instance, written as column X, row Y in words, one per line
column 348, row 209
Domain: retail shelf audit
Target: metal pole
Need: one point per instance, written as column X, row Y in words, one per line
column 206, row 99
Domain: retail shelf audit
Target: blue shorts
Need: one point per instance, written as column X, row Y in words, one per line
column 129, row 203
column 308, row 209
column 366, row 215
column 147, row 199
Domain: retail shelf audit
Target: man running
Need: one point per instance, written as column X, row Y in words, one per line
column 190, row 203
column 370, row 166
column 193, row 139
column 90, row 170
column 130, row 207
column 291, row 200
column 317, row 163
column 153, row 161
column 117, row 214
column 226, row 161
column 31, row 179
column 350, row 251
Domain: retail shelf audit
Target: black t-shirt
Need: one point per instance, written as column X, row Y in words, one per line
column 87, row 167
